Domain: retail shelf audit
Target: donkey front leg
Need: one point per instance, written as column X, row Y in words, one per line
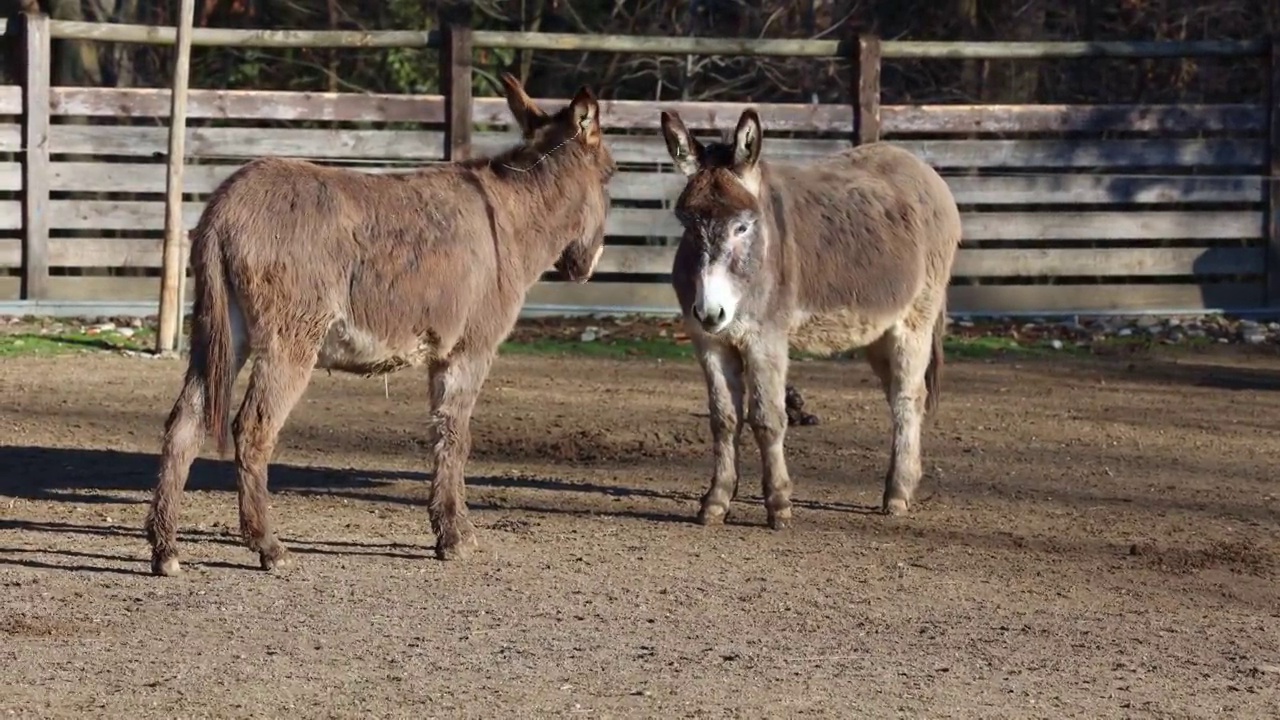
column 767, row 416
column 907, row 350
column 455, row 385
column 722, row 368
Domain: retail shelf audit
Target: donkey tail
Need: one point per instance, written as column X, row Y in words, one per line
column 933, row 373
column 213, row 331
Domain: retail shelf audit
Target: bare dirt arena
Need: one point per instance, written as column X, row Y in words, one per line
column 1096, row 538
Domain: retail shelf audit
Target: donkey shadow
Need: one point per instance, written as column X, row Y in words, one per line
column 91, row 476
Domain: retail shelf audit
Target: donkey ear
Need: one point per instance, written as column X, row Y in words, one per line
column 526, row 112
column 747, row 139
column 585, row 109
column 684, row 149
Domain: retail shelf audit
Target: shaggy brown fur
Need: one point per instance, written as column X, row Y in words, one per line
column 304, row 267
column 853, row 251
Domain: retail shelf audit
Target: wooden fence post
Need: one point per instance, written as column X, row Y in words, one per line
column 173, row 259
column 1272, row 228
column 37, row 67
column 865, row 94
column 455, row 80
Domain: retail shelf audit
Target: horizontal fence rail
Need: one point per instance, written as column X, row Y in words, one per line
column 1066, row 208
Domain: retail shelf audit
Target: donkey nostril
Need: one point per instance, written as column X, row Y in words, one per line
column 720, row 315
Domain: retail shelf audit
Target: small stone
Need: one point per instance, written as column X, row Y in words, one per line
column 125, row 332
column 136, row 323
column 1056, row 344
column 590, row 334
column 1255, row 338
column 106, row 327
column 1124, row 332
column 965, row 323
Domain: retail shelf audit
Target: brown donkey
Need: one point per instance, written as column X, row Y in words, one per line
column 852, row 251
column 310, row 267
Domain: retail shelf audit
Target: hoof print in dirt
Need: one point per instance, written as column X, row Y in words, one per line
column 795, row 409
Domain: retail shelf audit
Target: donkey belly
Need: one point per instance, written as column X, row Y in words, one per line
column 838, row 331
column 352, row 349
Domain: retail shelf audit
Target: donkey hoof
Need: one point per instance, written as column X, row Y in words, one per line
column 458, row 547
column 895, row 506
column 780, row 520
column 166, row 566
column 277, row 558
column 711, row 515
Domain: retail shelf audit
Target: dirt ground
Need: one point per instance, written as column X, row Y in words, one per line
column 1097, row 538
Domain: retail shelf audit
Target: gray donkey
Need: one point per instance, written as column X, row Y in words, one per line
column 852, row 251
column 301, row 267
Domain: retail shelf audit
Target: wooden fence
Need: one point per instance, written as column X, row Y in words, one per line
column 1066, row 208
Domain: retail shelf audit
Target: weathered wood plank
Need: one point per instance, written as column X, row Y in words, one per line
column 655, row 186
column 1273, row 173
column 595, row 294
column 967, row 119
column 10, row 214
column 229, row 37
column 1054, row 189
column 639, row 114
column 600, row 296
column 643, row 114
column 10, row 137
column 10, row 176
column 428, row 146
column 970, row 262
column 91, row 252
column 1133, row 225
column 248, row 105
column 664, row 45
column 455, row 74
column 1101, row 189
column 986, row 262
column 103, row 289
column 37, row 63
column 1084, row 153
column 174, row 261
column 226, row 142
column 637, row 222
column 10, row 99
column 149, row 177
column 1047, row 299
column 1072, row 299
column 866, row 90
column 1100, row 262
column 973, row 153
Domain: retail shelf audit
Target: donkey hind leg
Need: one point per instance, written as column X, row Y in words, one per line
column 767, row 415
column 455, row 386
column 276, row 383
column 722, row 369
column 908, row 350
column 183, row 437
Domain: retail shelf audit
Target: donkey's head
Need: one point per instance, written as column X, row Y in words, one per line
column 722, row 214
column 571, row 144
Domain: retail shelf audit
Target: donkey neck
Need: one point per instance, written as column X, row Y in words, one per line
column 542, row 205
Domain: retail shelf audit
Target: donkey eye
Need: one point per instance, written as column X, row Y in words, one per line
column 740, row 229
